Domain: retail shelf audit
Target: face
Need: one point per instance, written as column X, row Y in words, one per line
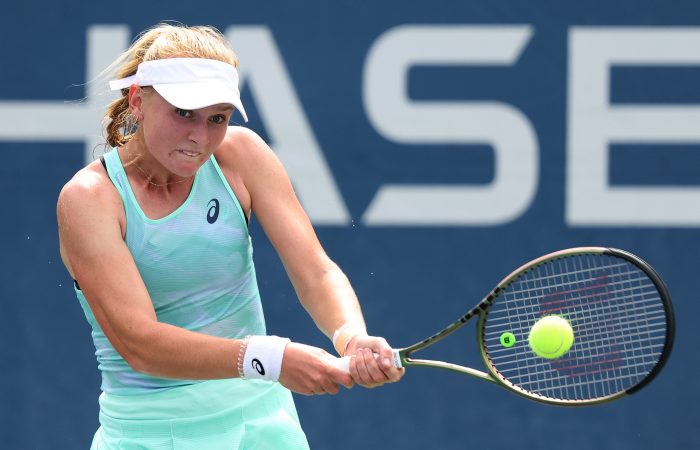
column 180, row 140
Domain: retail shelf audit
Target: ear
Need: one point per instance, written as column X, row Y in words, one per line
column 136, row 101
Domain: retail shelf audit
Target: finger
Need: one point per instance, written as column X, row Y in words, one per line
column 339, row 370
column 386, row 356
column 330, row 388
column 343, row 378
column 392, row 373
column 376, row 376
column 375, row 370
column 395, row 374
column 361, row 375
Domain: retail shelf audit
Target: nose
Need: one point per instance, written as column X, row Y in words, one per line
column 199, row 133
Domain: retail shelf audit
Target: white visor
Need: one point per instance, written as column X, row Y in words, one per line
column 188, row 83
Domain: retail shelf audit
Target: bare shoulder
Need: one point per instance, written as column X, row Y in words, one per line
column 89, row 205
column 243, row 148
column 89, row 188
column 242, row 137
column 89, row 210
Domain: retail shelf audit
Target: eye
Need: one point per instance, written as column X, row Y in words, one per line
column 219, row 119
column 183, row 113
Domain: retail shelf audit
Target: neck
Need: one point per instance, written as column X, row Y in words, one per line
column 148, row 168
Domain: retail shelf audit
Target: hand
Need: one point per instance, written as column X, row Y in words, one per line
column 305, row 370
column 371, row 363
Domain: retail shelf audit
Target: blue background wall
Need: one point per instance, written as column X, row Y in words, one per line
column 412, row 279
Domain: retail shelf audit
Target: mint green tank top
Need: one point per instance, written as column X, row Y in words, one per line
column 197, row 264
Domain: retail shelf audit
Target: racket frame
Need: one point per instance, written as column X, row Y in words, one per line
column 402, row 357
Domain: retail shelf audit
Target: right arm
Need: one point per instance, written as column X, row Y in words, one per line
column 91, row 223
column 90, row 230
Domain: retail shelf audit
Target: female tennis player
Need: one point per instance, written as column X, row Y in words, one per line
column 155, row 235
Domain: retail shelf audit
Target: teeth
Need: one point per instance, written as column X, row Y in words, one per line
column 185, row 152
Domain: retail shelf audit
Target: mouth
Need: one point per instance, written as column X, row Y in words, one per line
column 188, row 153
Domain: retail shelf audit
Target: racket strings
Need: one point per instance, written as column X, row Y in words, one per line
column 590, row 336
column 621, row 294
column 617, row 316
column 636, row 323
column 534, row 361
column 597, row 361
column 536, row 292
column 543, row 277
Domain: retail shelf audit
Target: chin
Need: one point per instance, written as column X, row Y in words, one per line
column 187, row 168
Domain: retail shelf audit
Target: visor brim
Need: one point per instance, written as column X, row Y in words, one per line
column 192, row 96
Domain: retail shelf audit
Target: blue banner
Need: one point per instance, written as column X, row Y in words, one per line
column 436, row 146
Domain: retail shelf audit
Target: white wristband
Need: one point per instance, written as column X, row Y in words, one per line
column 263, row 357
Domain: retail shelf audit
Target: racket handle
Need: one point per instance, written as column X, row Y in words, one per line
column 344, row 362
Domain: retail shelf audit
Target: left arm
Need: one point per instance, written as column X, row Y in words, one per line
column 321, row 286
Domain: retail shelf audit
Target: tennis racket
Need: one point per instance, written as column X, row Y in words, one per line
column 617, row 305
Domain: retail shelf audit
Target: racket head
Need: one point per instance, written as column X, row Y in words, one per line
column 620, row 312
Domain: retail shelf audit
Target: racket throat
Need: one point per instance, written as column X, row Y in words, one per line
column 451, row 367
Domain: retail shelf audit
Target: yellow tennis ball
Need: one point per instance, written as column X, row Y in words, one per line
column 551, row 337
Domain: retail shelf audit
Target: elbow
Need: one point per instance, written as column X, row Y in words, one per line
column 135, row 350
column 329, row 272
column 134, row 338
column 137, row 362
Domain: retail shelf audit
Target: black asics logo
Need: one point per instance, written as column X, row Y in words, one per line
column 257, row 365
column 213, row 212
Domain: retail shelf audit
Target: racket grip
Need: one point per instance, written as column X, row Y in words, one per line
column 344, row 362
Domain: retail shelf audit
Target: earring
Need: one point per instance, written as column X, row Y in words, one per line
column 130, row 125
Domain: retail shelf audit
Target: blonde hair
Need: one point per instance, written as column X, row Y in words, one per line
column 162, row 41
